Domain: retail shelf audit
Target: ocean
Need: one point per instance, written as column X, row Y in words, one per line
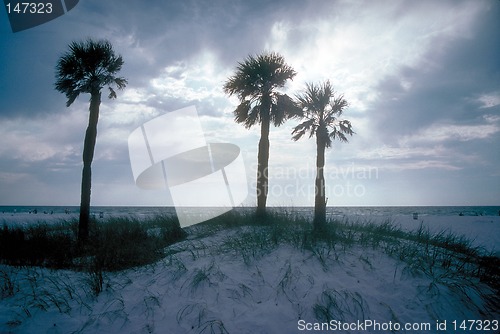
column 367, row 211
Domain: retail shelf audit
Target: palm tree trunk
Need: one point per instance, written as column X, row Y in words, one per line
column 263, row 163
column 88, row 156
column 319, row 223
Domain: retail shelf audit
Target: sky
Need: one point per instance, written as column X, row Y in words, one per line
column 422, row 79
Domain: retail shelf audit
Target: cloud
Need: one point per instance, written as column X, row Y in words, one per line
column 422, row 79
column 439, row 146
column 7, row 178
column 42, row 138
column 489, row 100
column 369, row 41
column 437, row 133
column 445, row 86
column 199, row 78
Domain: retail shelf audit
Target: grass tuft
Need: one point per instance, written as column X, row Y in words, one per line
column 115, row 244
column 340, row 305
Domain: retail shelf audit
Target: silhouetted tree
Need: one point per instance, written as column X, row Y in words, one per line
column 256, row 83
column 88, row 67
column 322, row 111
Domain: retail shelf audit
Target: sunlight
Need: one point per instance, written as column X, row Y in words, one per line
column 356, row 52
column 194, row 79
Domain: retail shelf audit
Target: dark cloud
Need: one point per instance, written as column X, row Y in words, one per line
column 443, row 88
column 446, row 84
column 150, row 36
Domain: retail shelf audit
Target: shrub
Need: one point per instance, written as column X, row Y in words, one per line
column 115, row 244
column 37, row 245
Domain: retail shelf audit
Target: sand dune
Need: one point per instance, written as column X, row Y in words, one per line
column 226, row 282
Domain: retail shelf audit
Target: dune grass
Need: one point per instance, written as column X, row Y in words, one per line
column 121, row 243
column 114, row 243
column 446, row 257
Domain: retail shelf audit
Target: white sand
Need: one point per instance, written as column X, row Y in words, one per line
column 483, row 231
column 202, row 289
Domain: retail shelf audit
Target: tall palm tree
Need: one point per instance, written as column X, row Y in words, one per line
column 88, row 67
column 256, row 83
column 322, row 111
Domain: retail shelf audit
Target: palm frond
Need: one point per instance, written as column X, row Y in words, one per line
column 87, row 67
column 322, row 109
column 241, row 112
column 338, row 135
column 71, row 98
column 112, row 93
column 301, row 129
column 121, row 83
column 247, row 114
column 254, row 116
column 256, row 79
column 346, row 127
column 283, row 108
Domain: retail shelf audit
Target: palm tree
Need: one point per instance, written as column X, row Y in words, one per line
column 322, row 111
column 88, row 67
column 256, row 83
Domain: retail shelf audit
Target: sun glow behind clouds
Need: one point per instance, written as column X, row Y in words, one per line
column 356, row 50
column 195, row 79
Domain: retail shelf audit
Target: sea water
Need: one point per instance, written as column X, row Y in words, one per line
column 144, row 211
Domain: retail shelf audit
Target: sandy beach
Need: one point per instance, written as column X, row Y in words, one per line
column 224, row 283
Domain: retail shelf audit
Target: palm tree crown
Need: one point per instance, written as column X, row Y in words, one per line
column 255, row 83
column 322, row 111
column 88, row 67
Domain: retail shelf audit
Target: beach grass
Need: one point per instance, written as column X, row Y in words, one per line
column 442, row 255
column 117, row 245
column 114, row 244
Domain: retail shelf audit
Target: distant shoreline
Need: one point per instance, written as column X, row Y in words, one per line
column 471, row 210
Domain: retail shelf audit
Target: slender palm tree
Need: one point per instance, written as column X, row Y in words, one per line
column 256, row 83
column 88, row 67
column 322, row 111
